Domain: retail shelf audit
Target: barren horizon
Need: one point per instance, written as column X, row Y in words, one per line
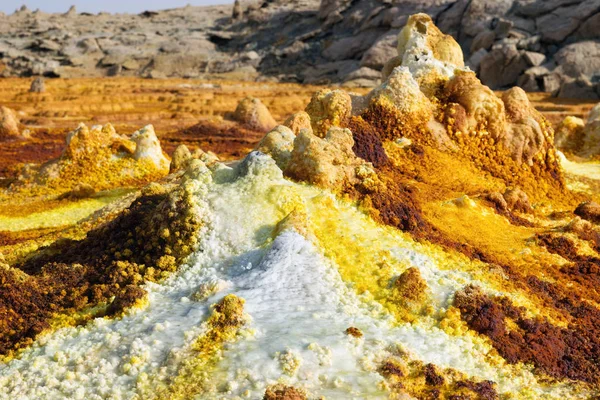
column 110, row 6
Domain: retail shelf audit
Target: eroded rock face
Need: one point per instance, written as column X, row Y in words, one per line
column 254, row 114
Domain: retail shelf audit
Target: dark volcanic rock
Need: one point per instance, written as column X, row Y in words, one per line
column 547, row 45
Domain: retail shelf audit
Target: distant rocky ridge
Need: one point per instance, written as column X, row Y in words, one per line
column 540, row 45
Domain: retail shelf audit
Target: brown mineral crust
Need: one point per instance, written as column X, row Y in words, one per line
column 228, row 140
column 559, row 352
column 560, row 244
column 367, row 144
column 128, row 297
column 44, row 145
column 392, row 368
column 391, row 124
column 146, row 242
column 411, row 291
column 394, row 204
column 353, row 331
column 484, row 390
column 432, row 377
column 589, row 210
column 583, row 269
column 428, row 381
column 283, row 392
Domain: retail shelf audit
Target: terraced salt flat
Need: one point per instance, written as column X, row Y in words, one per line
column 296, row 297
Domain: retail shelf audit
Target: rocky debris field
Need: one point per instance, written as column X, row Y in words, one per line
column 539, row 45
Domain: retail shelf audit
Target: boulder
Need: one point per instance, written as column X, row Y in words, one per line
column 383, row 49
column 502, row 67
column 483, row 40
column 352, row 46
column 590, row 29
column 364, row 73
column 534, row 59
column 578, row 88
column 474, row 61
column 502, row 27
column 329, row 7
column 563, row 21
column 582, row 58
column 551, row 83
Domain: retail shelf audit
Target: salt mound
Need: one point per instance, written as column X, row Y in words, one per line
column 579, row 137
column 101, row 158
column 253, row 113
column 9, row 124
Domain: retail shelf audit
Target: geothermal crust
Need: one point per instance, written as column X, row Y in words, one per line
column 419, row 241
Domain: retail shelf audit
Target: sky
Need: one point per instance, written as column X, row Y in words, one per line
column 94, row 6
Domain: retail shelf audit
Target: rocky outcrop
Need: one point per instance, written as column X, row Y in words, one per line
column 539, row 45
